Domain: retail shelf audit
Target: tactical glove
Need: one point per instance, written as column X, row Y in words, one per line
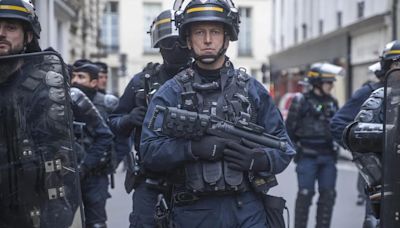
column 245, row 157
column 209, row 147
column 134, row 119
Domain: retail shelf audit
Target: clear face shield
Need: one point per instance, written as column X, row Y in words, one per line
column 329, row 69
column 375, row 67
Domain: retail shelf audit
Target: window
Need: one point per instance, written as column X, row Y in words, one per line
column 304, row 28
column 151, row 11
column 321, row 26
column 110, row 28
column 245, row 34
column 339, row 18
column 360, row 9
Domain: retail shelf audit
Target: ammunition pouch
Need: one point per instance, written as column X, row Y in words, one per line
column 213, row 177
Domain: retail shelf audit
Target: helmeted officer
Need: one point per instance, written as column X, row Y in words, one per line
column 128, row 117
column 308, row 126
column 346, row 114
column 95, row 184
column 38, row 170
column 367, row 145
column 215, row 190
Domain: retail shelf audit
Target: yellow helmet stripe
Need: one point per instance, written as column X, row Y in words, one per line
column 328, row 75
column 199, row 9
column 394, row 52
column 162, row 21
column 16, row 8
column 313, row 74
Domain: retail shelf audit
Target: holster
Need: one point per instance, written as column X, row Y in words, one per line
column 162, row 213
column 274, row 207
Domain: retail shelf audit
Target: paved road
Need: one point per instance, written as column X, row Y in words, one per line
column 346, row 214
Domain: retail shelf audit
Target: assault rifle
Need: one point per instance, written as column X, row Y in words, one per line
column 181, row 123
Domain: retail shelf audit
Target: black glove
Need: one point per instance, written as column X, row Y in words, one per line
column 245, row 157
column 134, row 118
column 209, row 147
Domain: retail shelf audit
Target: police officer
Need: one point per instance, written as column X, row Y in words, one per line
column 216, row 189
column 37, row 164
column 95, row 184
column 367, row 147
column 103, row 77
column 128, row 117
column 308, row 127
column 346, row 114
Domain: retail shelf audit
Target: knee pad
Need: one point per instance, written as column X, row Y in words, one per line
column 327, row 197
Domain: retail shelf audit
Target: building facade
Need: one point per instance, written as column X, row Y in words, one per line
column 127, row 43
column 350, row 33
column 71, row 27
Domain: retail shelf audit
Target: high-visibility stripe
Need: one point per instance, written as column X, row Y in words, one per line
column 324, row 75
column 312, row 74
column 394, row 52
column 199, row 9
column 163, row 21
column 16, row 8
column 328, row 75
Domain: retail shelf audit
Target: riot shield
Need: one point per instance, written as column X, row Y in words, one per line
column 39, row 179
column 390, row 208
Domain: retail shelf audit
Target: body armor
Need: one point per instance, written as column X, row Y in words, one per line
column 311, row 116
column 38, row 172
column 227, row 99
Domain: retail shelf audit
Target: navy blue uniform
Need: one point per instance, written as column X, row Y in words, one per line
column 350, row 109
column 98, row 141
column 144, row 198
column 161, row 153
column 308, row 127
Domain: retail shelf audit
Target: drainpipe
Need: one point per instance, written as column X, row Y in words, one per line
column 394, row 19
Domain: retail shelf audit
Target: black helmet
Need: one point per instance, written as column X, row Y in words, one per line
column 222, row 11
column 163, row 27
column 323, row 72
column 390, row 54
column 22, row 10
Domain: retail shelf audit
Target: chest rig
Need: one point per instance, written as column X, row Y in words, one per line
column 316, row 116
column 36, row 138
column 227, row 99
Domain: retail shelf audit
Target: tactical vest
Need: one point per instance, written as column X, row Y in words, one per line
column 315, row 122
column 229, row 100
column 35, row 143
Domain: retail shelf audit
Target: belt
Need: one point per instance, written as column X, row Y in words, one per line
column 186, row 198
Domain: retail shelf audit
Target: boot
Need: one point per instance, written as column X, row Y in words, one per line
column 325, row 208
column 97, row 225
column 303, row 202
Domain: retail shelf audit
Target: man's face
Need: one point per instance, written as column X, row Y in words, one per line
column 206, row 38
column 83, row 79
column 327, row 87
column 102, row 81
column 12, row 37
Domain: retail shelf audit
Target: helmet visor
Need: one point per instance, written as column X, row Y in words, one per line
column 375, row 67
column 327, row 68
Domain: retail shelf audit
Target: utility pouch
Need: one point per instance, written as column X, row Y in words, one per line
column 274, row 207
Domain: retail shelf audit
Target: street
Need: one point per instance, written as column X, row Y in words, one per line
column 346, row 213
